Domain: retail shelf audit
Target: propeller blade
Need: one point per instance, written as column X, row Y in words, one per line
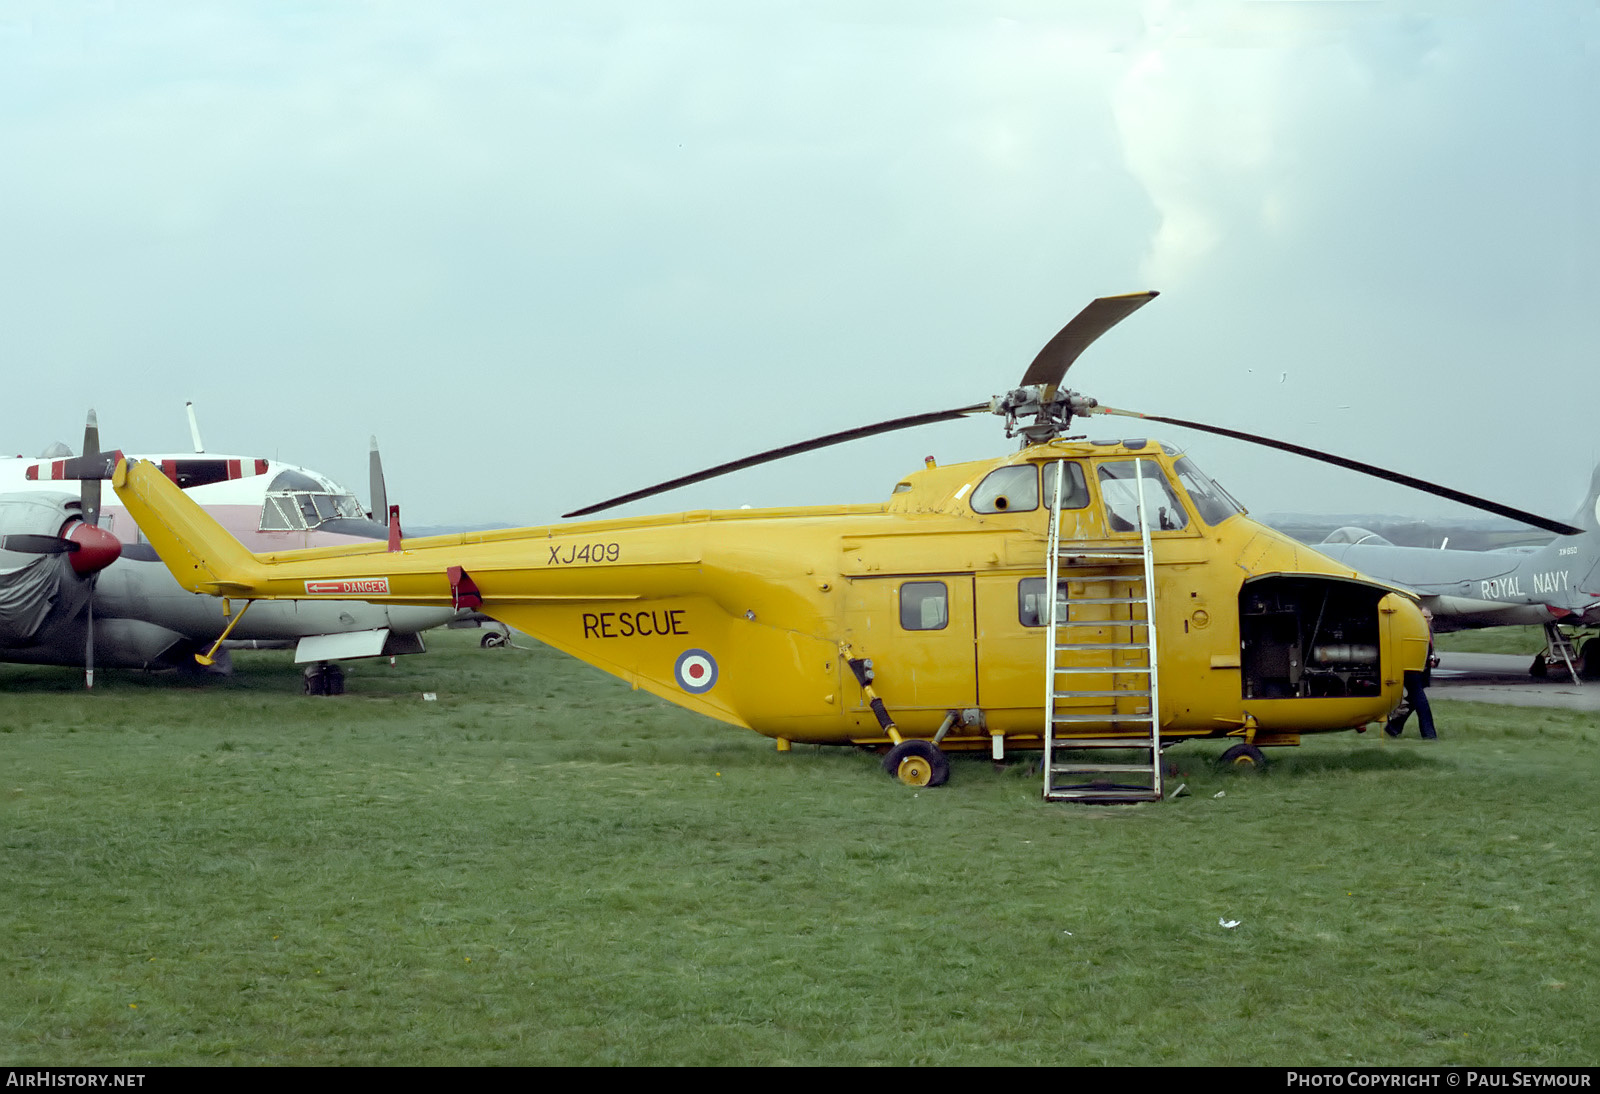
column 90, row 488
column 88, row 641
column 1364, row 468
column 194, row 428
column 30, row 543
column 830, row 439
column 1078, row 335
column 379, row 494
column 92, row 549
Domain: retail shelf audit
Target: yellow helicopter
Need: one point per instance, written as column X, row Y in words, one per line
column 1095, row 600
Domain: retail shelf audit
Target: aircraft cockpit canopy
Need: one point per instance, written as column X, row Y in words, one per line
column 1351, row 534
column 298, row 500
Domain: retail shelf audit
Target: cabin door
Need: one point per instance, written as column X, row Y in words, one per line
column 918, row 632
column 1011, row 648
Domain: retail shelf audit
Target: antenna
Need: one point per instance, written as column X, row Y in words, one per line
column 194, row 428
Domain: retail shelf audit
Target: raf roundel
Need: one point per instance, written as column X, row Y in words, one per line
column 696, row 671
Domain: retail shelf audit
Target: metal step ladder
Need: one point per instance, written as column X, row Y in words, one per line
column 1105, row 635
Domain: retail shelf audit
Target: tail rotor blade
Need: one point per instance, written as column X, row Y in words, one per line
column 1364, row 468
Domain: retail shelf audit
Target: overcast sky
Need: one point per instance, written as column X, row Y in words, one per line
column 549, row 252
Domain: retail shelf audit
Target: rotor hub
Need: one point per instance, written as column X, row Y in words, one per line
column 1038, row 412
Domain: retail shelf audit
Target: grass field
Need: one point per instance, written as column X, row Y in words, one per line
column 545, row 867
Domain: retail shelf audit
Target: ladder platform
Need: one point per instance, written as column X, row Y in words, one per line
column 1120, row 670
column 1103, row 794
column 1100, row 646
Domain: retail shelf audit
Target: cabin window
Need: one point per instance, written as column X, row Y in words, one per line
column 1030, row 601
column 280, row 514
column 1214, row 504
column 1012, row 489
column 1015, row 489
column 924, row 606
column 1074, row 491
column 1119, row 488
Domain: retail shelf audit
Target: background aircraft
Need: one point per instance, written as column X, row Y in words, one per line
column 79, row 585
column 1550, row 586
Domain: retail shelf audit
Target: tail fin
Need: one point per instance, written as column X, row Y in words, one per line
column 201, row 553
column 1588, row 517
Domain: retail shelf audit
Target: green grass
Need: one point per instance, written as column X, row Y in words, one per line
column 1525, row 641
column 545, row 867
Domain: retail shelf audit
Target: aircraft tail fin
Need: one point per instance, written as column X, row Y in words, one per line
column 1588, row 517
column 1566, row 572
column 202, row 554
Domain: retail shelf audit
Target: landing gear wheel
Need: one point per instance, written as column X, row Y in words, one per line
column 1243, row 757
column 493, row 640
column 917, row 763
column 324, row 680
column 1540, row 669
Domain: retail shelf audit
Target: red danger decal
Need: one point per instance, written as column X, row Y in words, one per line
column 360, row 586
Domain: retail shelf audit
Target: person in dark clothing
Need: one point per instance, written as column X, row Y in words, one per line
column 1417, row 695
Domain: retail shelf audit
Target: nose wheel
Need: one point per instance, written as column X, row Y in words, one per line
column 917, row 763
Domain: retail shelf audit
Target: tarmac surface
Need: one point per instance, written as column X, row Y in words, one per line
column 1503, row 678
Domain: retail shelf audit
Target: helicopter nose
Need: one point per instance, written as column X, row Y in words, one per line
column 97, row 549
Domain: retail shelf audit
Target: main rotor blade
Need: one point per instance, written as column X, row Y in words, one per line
column 1078, row 335
column 1365, row 468
column 888, row 426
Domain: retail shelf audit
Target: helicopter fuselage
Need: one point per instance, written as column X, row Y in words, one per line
column 753, row 616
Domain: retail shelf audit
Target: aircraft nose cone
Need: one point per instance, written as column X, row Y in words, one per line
column 97, row 549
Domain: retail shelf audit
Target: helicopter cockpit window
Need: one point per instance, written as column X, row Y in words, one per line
column 1119, row 487
column 1016, row 489
column 1013, row 489
column 1074, row 491
column 1214, row 503
column 924, row 606
column 1030, row 601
